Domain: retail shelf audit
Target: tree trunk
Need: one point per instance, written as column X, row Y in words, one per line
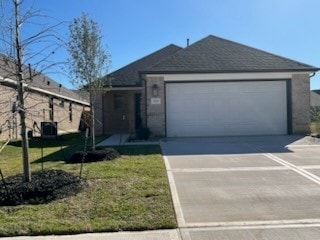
column 22, row 113
column 25, row 148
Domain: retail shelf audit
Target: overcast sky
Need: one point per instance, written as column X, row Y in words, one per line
column 135, row 28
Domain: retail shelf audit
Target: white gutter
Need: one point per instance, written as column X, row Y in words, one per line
column 7, row 80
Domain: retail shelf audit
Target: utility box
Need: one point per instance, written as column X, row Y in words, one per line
column 49, row 128
column 30, row 134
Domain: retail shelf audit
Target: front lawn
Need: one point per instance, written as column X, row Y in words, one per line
column 128, row 193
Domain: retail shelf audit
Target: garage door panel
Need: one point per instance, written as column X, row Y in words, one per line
column 226, row 109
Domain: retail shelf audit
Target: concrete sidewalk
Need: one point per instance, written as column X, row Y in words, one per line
column 122, row 139
column 145, row 235
column 114, row 140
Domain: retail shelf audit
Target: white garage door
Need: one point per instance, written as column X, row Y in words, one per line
column 226, row 108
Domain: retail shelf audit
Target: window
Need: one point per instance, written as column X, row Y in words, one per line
column 70, row 111
column 51, row 109
column 61, row 104
column 14, row 107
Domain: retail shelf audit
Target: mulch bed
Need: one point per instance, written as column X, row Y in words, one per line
column 44, row 187
column 94, row 155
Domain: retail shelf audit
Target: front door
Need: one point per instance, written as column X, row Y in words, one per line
column 120, row 116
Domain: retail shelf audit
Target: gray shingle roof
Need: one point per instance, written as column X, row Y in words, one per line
column 44, row 82
column 39, row 80
column 213, row 54
column 129, row 75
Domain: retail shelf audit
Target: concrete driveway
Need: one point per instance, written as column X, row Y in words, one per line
column 245, row 188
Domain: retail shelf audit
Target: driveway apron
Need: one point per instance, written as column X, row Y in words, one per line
column 265, row 187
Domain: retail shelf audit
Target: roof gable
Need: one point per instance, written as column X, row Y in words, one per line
column 129, row 75
column 213, row 54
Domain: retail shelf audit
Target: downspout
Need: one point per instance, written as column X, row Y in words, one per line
column 310, row 76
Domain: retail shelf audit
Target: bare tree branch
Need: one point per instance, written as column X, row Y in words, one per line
column 21, row 45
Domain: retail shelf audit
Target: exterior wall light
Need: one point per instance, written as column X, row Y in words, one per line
column 155, row 90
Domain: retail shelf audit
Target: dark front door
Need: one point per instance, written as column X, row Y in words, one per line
column 120, row 116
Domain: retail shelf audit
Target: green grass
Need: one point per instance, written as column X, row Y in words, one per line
column 129, row 193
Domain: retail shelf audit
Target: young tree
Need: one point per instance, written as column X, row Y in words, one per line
column 21, row 30
column 89, row 61
column 22, row 113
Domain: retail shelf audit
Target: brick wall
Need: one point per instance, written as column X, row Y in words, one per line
column 155, row 112
column 300, row 103
column 38, row 111
column 7, row 119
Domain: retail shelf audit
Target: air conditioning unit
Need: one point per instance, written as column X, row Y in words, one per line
column 49, row 128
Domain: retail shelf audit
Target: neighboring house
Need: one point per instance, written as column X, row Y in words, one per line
column 46, row 102
column 214, row 87
column 315, row 98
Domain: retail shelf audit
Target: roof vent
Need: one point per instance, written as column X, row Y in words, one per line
column 48, row 83
column 59, row 89
column 187, row 42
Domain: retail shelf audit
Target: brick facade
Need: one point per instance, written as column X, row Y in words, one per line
column 156, row 112
column 300, row 93
column 38, row 111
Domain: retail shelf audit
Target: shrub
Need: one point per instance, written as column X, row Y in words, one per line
column 142, row 133
column 315, row 114
column 315, row 120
